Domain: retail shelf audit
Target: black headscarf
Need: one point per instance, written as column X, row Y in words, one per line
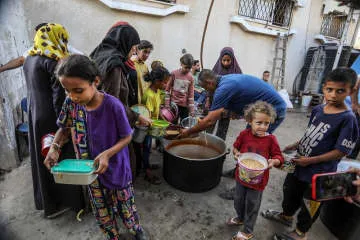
column 113, row 50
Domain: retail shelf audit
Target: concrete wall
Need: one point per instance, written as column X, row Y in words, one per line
column 88, row 21
column 13, row 42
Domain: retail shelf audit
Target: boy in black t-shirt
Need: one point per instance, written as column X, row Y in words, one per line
column 331, row 134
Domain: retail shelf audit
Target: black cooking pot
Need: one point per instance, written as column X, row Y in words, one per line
column 341, row 218
column 194, row 165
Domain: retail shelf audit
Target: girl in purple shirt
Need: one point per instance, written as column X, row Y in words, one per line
column 100, row 131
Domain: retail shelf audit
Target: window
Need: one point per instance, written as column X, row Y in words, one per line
column 275, row 12
column 333, row 24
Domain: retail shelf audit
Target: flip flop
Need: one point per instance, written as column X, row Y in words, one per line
column 284, row 236
column 276, row 216
column 241, row 236
column 234, row 221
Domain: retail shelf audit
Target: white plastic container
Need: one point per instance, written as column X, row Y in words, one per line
column 74, row 178
column 74, row 171
column 306, row 100
column 252, row 176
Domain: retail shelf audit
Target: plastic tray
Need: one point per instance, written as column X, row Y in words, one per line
column 74, row 171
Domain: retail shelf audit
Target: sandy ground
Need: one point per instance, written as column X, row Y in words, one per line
column 165, row 212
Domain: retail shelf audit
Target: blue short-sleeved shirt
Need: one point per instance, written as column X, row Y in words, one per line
column 326, row 132
column 236, row 91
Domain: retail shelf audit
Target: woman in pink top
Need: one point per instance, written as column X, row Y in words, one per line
column 180, row 88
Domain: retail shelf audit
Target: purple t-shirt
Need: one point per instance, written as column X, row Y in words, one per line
column 326, row 132
column 105, row 126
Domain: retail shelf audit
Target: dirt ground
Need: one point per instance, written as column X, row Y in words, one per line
column 165, row 212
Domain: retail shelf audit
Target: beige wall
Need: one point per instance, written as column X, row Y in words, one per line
column 88, row 21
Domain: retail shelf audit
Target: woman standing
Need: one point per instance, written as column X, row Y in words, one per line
column 226, row 64
column 45, row 100
column 112, row 57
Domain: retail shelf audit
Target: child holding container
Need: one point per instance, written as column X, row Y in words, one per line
column 255, row 139
column 101, row 131
column 157, row 78
column 180, row 88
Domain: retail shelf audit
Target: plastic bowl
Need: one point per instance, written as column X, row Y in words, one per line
column 248, row 175
column 158, row 128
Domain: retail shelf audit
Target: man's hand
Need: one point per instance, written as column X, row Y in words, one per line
column 273, row 162
column 184, row 133
column 355, row 198
column 102, row 161
column 51, row 158
column 302, row 161
column 144, row 121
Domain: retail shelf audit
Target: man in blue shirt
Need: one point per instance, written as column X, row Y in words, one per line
column 234, row 92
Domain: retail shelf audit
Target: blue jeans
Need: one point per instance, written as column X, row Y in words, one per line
column 200, row 98
column 280, row 116
column 146, row 151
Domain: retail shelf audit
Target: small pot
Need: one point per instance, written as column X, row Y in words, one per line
column 248, row 175
column 139, row 134
column 170, row 136
column 169, row 114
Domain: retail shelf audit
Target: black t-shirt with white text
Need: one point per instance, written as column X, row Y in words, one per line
column 326, row 132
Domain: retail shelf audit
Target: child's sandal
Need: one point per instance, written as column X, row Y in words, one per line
column 242, row 236
column 234, row 221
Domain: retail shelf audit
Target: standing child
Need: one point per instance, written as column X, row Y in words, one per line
column 157, row 78
column 247, row 199
column 101, row 132
column 180, row 88
column 142, row 54
column 331, row 134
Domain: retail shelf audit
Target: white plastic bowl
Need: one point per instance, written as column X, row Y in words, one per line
column 252, row 176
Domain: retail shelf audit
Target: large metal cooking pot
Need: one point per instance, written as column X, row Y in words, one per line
column 194, row 165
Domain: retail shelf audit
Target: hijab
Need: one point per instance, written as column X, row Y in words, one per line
column 114, row 48
column 51, row 41
column 234, row 67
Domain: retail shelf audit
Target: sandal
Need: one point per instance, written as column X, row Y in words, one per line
column 242, row 236
column 153, row 179
column 234, row 221
column 276, row 216
column 286, row 236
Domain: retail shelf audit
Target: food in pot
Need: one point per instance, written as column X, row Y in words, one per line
column 193, row 149
column 172, row 132
column 252, row 164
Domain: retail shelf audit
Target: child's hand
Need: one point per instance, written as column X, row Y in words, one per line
column 102, row 161
column 144, row 121
column 302, row 161
column 51, row 158
column 291, row 147
column 273, row 162
column 237, row 155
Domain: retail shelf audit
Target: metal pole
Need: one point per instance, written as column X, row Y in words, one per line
column 356, row 32
column 343, row 38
